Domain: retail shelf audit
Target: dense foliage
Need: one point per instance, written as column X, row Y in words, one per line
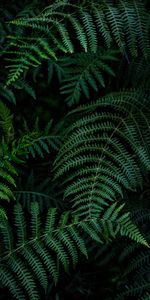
column 75, row 150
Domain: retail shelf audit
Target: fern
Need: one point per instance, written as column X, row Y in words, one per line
column 129, row 32
column 7, row 174
column 128, row 17
column 142, row 28
column 15, row 151
column 113, row 17
column 35, row 257
column 2, row 214
column 102, row 26
column 85, row 71
column 105, row 151
column 55, row 67
column 7, row 93
column 136, row 261
column 136, row 289
column 91, row 164
column 6, row 122
column 7, row 170
column 36, row 142
column 28, row 55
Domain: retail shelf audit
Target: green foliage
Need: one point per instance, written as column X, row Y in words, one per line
column 125, row 25
column 75, row 150
column 37, row 143
column 96, row 156
column 137, row 263
column 6, row 122
column 6, row 93
column 37, row 256
column 85, row 71
column 2, row 214
column 7, row 170
column 17, row 150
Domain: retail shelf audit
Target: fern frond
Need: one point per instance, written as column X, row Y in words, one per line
column 136, row 261
column 85, row 71
column 80, row 33
column 55, row 68
column 7, row 184
column 36, row 142
column 128, row 16
column 104, row 150
column 90, row 31
column 9, row 281
column 6, row 122
column 8, row 94
column 137, row 289
column 34, row 253
column 2, row 213
column 124, row 24
column 142, row 27
column 102, row 25
column 34, row 257
column 30, row 53
column 116, row 24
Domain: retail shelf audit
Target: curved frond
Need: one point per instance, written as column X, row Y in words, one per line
column 33, row 252
column 105, row 151
column 124, row 24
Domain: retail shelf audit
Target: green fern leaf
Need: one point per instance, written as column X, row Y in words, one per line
column 95, row 149
column 30, row 256
column 90, row 31
column 85, row 71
